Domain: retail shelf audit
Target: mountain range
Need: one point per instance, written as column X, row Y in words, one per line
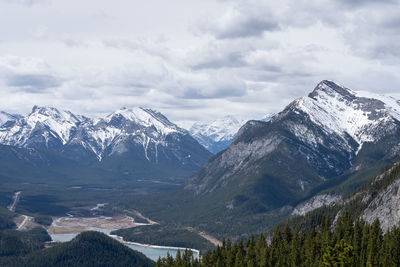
column 136, row 142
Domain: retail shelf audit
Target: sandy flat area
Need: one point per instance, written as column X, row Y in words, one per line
column 65, row 225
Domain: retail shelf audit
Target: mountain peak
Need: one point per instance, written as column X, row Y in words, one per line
column 331, row 88
column 341, row 111
column 44, row 110
column 147, row 118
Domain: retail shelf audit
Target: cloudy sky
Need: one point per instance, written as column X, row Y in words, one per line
column 192, row 60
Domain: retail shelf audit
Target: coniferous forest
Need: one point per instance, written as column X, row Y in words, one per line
column 347, row 243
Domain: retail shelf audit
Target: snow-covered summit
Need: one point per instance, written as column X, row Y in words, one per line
column 217, row 135
column 48, row 127
column 145, row 126
column 59, row 122
column 146, row 118
column 46, row 124
column 221, row 129
column 339, row 110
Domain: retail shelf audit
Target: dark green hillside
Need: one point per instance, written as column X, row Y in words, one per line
column 88, row 249
column 168, row 235
column 15, row 246
column 6, row 221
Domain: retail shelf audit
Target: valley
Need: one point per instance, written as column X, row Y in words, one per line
column 64, row 229
column 140, row 179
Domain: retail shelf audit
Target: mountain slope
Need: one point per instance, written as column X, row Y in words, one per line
column 332, row 139
column 377, row 199
column 325, row 131
column 4, row 117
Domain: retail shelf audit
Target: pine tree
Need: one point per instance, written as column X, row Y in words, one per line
column 340, row 255
column 374, row 244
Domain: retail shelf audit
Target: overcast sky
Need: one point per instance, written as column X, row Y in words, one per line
column 192, row 60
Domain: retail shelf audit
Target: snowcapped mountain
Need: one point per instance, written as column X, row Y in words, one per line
column 4, row 117
column 365, row 117
column 332, row 138
column 42, row 128
column 142, row 137
column 217, row 135
column 145, row 126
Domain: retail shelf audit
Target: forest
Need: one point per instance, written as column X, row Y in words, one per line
column 343, row 243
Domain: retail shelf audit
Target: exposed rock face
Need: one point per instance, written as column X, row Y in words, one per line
column 385, row 206
column 315, row 203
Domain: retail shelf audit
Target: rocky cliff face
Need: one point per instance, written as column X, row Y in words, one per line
column 385, row 205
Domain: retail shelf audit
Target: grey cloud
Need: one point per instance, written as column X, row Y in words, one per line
column 376, row 38
column 392, row 24
column 34, row 83
column 390, row 52
column 267, row 67
column 230, row 60
column 222, row 92
column 249, row 27
column 213, row 87
column 362, row 3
